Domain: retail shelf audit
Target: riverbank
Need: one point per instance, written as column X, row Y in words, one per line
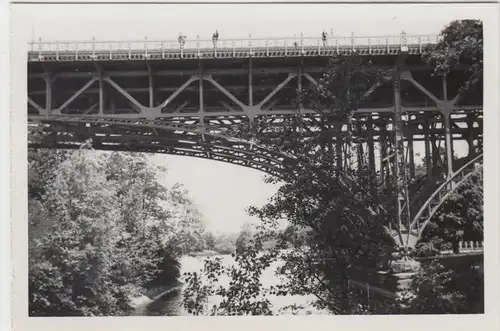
column 153, row 294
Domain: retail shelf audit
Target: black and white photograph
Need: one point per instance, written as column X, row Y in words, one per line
column 253, row 159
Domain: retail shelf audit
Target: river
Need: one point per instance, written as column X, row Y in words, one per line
column 171, row 305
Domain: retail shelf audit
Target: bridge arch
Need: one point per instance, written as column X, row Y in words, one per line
column 134, row 136
column 424, row 216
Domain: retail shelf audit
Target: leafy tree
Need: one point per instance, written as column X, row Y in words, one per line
column 141, row 199
column 324, row 190
column 80, row 255
column 187, row 229
column 210, row 241
column 100, row 231
column 42, row 164
column 443, row 290
column 225, row 244
column 244, row 238
column 461, row 216
column 461, row 43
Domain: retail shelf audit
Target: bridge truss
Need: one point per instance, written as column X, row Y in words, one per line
column 186, row 100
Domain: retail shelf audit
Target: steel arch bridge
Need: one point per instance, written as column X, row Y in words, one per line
column 184, row 97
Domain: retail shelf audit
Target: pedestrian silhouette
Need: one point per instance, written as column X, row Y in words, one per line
column 215, row 38
column 324, row 37
column 182, row 40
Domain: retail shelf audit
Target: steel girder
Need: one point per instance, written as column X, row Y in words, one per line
column 191, row 106
column 212, row 97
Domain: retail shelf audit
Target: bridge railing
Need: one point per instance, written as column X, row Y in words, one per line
column 247, row 43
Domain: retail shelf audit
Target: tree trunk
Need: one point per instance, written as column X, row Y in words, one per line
column 454, row 245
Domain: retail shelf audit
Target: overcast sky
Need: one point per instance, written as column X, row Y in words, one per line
column 223, row 191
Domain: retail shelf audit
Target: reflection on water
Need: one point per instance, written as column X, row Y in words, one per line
column 171, row 304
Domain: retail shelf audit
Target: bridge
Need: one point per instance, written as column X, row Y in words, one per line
column 185, row 97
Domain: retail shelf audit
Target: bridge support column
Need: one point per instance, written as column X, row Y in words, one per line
column 101, row 96
column 201, row 101
column 470, row 136
column 383, row 150
column 411, row 152
column 449, row 142
column 371, row 154
column 338, row 148
column 250, row 83
column 446, row 110
column 151, row 85
column 400, row 176
column 435, row 151
column 428, row 155
column 399, row 166
column 49, row 80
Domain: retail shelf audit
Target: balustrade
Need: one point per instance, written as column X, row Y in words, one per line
column 196, row 43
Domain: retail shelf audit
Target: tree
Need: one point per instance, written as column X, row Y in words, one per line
column 461, row 43
column 141, row 201
column 225, row 244
column 210, row 241
column 79, row 256
column 461, row 216
column 187, row 226
column 324, row 190
column 243, row 238
column 443, row 290
column 327, row 189
column 106, row 224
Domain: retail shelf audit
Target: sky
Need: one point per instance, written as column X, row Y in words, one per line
column 223, row 191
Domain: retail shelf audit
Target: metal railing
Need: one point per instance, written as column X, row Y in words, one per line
column 247, row 43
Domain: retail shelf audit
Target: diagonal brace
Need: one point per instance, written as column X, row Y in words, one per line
column 74, row 96
column 376, row 86
column 278, row 88
column 37, row 107
column 227, row 107
column 179, row 90
column 130, row 98
column 226, row 92
column 94, row 106
column 309, row 77
column 407, row 76
column 181, row 107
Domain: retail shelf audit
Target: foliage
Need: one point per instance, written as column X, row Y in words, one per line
column 461, row 216
column 41, row 166
column 186, row 233
column 244, row 238
column 209, row 241
column 243, row 296
column 461, row 43
column 443, row 290
column 225, row 244
column 100, row 228
column 325, row 191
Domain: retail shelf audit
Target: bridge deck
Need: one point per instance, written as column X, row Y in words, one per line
column 224, row 48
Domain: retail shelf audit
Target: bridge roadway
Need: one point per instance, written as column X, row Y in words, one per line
column 154, row 96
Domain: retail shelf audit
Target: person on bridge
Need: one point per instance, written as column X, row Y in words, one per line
column 182, row 40
column 324, row 37
column 215, row 38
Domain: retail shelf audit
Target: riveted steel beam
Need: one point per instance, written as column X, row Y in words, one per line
column 218, row 72
column 179, row 90
column 41, row 111
column 151, row 85
column 139, row 107
column 74, row 96
column 277, row 89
